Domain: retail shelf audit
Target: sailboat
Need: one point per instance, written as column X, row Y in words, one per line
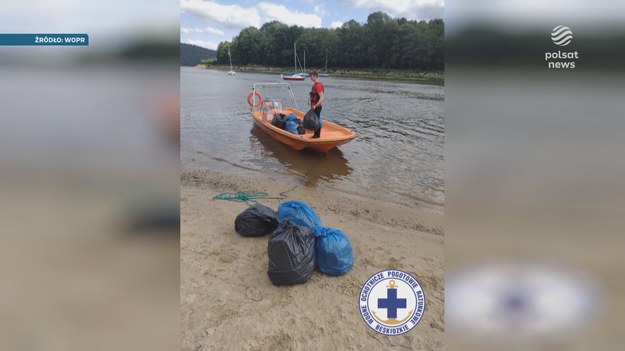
column 293, row 75
column 231, row 73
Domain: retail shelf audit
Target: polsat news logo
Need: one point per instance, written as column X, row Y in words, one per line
column 561, row 36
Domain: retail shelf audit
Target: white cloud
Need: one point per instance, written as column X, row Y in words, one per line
column 208, row 30
column 237, row 17
column 336, row 24
column 203, row 43
column 280, row 13
column 411, row 9
column 232, row 16
column 320, row 9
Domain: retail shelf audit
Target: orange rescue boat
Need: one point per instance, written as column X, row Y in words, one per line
column 263, row 110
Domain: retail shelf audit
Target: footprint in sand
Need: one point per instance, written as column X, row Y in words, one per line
column 225, row 256
column 253, row 295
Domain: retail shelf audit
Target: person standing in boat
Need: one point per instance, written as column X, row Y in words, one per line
column 316, row 98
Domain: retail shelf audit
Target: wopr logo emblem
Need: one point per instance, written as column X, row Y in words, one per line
column 561, row 35
column 392, row 302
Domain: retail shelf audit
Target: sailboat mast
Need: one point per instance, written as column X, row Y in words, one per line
column 294, row 58
column 326, row 62
column 230, row 56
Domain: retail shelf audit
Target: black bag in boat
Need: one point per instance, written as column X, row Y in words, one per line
column 256, row 221
column 311, row 120
column 279, row 120
column 292, row 256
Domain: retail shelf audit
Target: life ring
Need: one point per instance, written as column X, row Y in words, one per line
column 259, row 98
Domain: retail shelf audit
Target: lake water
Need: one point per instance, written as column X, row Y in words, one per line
column 397, row 155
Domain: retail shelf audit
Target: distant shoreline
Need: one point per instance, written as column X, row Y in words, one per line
column 370, row 73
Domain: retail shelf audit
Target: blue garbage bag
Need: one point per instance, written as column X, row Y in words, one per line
column 292, row 123
column 334, row 252
column 291, row 126
column 299, row 213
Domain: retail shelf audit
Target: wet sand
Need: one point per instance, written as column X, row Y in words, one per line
column 229, row 303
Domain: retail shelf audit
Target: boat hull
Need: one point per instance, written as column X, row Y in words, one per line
column 294, row 77
column 332, row 135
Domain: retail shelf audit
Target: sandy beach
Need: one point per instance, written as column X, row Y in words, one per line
column 229, row 303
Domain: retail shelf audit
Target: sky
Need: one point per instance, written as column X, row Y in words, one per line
column 206, row 23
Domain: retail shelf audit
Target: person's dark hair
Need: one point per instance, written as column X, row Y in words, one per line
column 314, row 73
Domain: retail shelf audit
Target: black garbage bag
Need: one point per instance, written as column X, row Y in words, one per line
column 311, row 120
column 279, row 120
column 291, row 254
column 257, row 220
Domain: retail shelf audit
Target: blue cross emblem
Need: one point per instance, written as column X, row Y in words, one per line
column 391, row 302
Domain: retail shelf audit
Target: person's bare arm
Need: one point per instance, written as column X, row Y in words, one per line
column 320, row 102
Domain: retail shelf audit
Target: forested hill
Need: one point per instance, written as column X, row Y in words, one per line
column 191, row 55
column 381, row 42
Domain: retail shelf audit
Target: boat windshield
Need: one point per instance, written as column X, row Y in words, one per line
column 270, row 108
column 272, row 105
column 273, row 97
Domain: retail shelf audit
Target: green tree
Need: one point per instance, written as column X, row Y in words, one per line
column 222, row 52
column 381, row 42
column 277, row 44
column 380, row 28
column 352, row 45
column 248, row 45
column 316, row 42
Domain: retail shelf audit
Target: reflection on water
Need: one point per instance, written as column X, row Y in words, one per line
column 397, row 156
column 311, row 165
